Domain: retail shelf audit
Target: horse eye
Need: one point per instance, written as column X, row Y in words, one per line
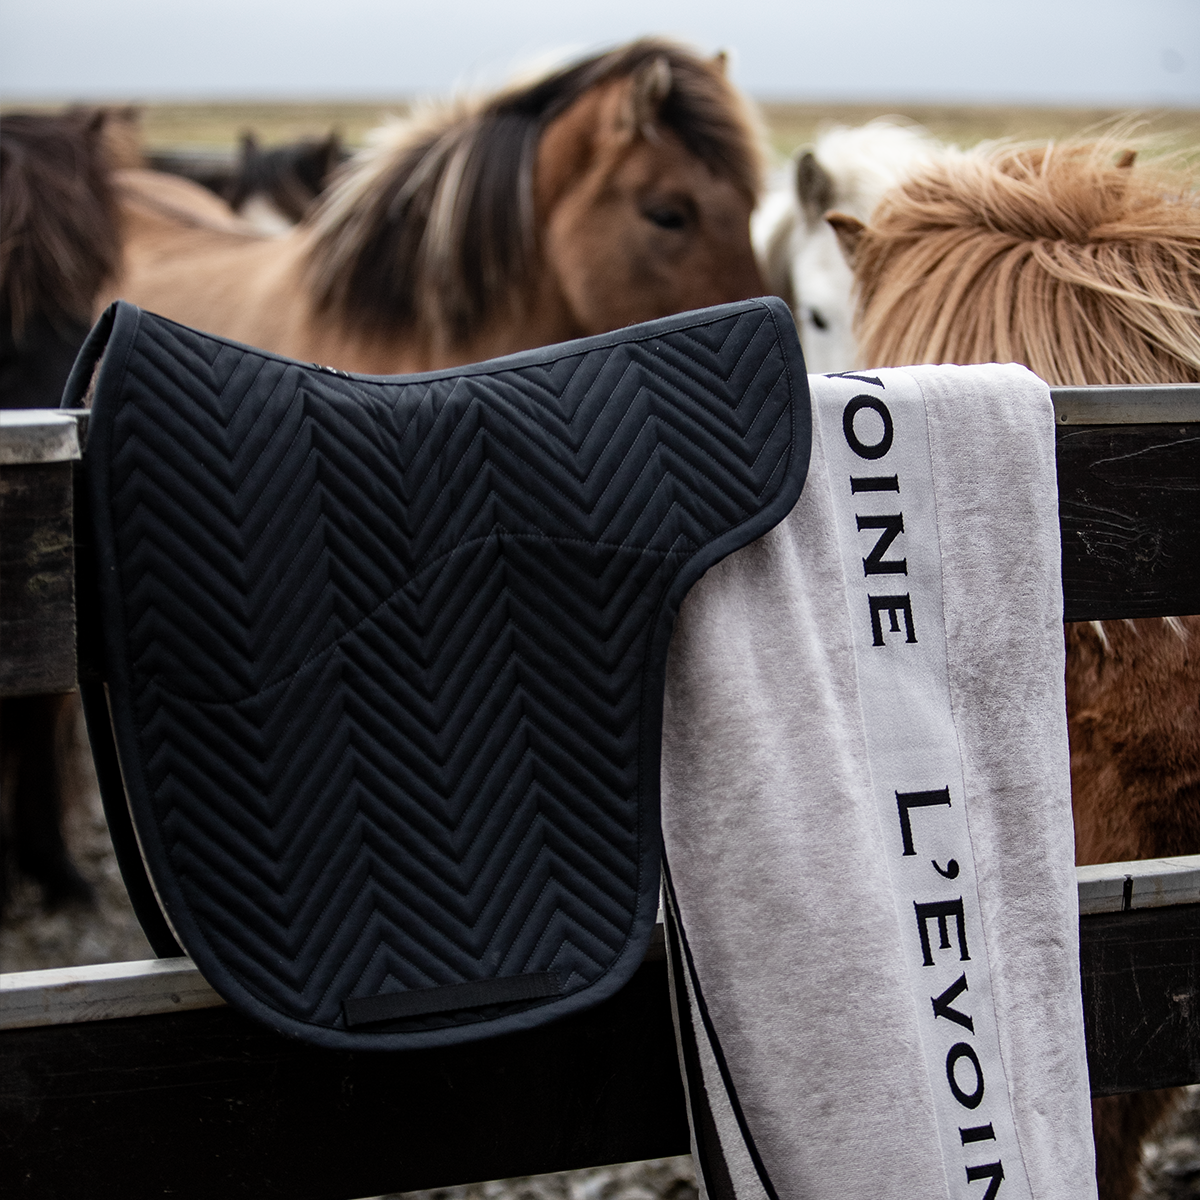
column 818, row 320
column 666, row 218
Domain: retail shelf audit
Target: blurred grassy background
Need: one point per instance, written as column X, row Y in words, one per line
column 217, row 125
column 793, row 125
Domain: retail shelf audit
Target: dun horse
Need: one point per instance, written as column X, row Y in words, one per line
column 1085, row 267
column 610, row 192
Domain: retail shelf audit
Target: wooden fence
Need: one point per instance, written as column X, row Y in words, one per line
column 135, row 1080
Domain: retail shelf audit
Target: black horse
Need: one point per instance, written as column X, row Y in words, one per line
column 285, row 179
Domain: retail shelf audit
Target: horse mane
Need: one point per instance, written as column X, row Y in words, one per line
column 1072, row 259
column 59, row 228
column 433, row 226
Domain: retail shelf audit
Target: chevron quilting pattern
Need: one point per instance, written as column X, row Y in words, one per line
column 386, row 654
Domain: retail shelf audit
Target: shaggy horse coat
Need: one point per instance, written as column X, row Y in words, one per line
column 1085, row 267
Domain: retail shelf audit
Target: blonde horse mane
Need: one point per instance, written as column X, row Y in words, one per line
column 434, row 225
column 1072, row 259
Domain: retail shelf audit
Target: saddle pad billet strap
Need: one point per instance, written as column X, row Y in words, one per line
column 454, row 997
column 385, row 655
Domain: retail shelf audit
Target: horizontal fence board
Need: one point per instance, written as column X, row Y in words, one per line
column 1141, row 998
column 71, row 995
column 224, row 1107
column 1129, row 510
column 1150, row 883
column 207, row 1103
column 1123, row 404
column 39, row 435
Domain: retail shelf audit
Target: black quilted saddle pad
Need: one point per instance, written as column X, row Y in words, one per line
column 384, row 655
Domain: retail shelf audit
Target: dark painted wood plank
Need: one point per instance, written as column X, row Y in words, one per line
column 223, row 1107
column 1129, row 507
column 206, row 1103
column 1141, row 998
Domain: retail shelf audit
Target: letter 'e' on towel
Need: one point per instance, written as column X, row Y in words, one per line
column 867, row 820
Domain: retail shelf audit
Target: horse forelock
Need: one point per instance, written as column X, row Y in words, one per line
column 861, row 163
column 1067, row 258
column 59, row 234
column 433, row 225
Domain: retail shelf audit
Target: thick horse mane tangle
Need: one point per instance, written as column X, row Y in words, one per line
column 434, row 227
column 1073, row 259
column 59, row 233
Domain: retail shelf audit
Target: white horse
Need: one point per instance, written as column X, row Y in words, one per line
column 848, row 170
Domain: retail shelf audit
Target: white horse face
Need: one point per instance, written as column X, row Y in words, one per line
column 803, row 264
column 849, row 171
column 823, row 286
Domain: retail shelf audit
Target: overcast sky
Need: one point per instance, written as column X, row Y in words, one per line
column 1106, row 52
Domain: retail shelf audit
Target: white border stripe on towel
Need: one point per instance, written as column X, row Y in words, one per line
column 881, row 479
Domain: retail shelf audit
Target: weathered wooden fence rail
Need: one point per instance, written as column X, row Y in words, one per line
column 133, row 1080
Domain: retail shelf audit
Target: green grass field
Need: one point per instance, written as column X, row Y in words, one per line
column 217, row 125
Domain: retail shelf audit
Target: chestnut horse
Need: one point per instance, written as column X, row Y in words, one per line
column 1084, row 266
column 612, row 191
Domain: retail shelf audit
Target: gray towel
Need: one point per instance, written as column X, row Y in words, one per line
column 866, row 813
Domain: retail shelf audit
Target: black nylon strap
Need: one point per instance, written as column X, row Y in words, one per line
column 679, row 937
column 392, row 1006
column 707, row 1149
column 120, row 826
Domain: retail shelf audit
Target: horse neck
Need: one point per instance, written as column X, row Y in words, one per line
column 539, row 317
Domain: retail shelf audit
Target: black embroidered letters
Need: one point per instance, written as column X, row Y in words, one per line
column 887, row 523
column 941, row 911
column 868, row 449
column 890, row 525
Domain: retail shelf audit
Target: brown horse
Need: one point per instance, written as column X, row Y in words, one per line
column 1085, row 267
column 59, row 241
column 613, row 191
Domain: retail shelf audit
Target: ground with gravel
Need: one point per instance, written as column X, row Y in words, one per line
column 665, row 1178
column 33, row 939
